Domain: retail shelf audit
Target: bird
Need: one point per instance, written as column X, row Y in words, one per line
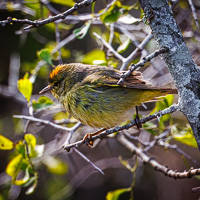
column 92, row 95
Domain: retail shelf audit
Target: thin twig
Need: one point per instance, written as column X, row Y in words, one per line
column 59, row 46
column 37, row 23
column 133, row 54
column 177, row 149
column 57, row 32
column 157, row 166
column 49, row 7
column 74, row 128
column 13, row 71
column 171, row 109
column 42, row 121
column 88, row 160
column 194, row 14
column 140, row 64
column 109, row 47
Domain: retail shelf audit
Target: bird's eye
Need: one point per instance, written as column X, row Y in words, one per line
column 55, row 84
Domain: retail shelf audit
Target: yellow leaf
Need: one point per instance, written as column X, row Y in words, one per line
column 5, row 143
column 30, row 139
column 25, row 87
column 184, row 135
column 115, row 195
column 14, row 166
column 55, row 165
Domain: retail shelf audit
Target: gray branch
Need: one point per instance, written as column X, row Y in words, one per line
column 184, row 71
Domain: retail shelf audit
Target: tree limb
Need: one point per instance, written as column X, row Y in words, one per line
column 179, row 60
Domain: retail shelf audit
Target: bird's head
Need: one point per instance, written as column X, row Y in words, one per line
column 63, row 78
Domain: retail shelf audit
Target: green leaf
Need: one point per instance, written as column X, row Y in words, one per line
column 42, row 102
column 93, row 56
column 111, row 15
column 5, row 143
column 21, row 149
column 150, row 127
column 82, row 31
column 184, row 136
column 115, row 195
column 161, row 105
column 45, row 55
column 55, row 165
column 25, row 87
column 69, row 3
column 52, row 45
column 114, row 12
column 123, row 46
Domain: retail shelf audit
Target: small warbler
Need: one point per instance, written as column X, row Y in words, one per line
column 91, row 93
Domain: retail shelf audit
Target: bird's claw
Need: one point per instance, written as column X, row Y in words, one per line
column 88, row 139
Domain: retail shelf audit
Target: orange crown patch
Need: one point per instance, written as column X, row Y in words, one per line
column 56, row 71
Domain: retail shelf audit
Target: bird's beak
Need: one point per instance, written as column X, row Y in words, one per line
column 46, row 89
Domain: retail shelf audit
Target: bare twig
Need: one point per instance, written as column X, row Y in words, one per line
column 140, row 64
column 194, row 14
column 177, row 149
column 159, row 140
column 58, row 41
column 13, row 71
column 74, row 128
column 88, row 160
column 42, row 121
column 139, row 48
column 49, row 7
column 171, row 109
column 157, row 166
column 48, row 20
column 109, row 47
column 59, row 46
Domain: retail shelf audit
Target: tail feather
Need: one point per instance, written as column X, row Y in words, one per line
column 168, row 91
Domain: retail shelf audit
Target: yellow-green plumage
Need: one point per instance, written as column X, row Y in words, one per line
column 91, row 93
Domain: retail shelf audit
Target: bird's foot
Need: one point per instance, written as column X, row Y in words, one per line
column 88, row 137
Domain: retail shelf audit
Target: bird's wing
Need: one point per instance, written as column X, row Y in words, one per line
column 111, row 78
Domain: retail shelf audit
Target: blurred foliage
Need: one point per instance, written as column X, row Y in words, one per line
column 20, row 167
column 95, row 57
column 114, row 12
column 45, row 55
column 42, row 102
column 82, row 31
column 161, row 105
column 25, row 87
column 5, row 143
column 63, row 2
column 116, row 194
column 40, row 44
column 184, row 135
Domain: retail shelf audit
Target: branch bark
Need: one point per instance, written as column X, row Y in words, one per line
column 184, row 71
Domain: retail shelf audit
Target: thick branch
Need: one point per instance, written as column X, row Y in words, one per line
column 180, row 64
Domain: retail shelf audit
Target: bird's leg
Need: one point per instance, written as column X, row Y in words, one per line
column 137, row 119
column 89, row 136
